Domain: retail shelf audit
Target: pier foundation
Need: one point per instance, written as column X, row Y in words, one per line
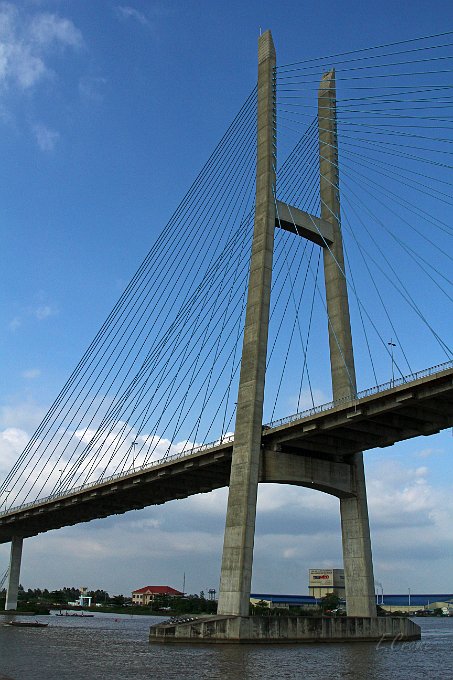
column 285, row 629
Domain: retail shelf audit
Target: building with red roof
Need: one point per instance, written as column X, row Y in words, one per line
column 147, row 594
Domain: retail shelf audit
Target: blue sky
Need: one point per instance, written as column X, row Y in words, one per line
column 108, row 110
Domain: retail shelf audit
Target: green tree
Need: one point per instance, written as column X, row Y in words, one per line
column 329, row 602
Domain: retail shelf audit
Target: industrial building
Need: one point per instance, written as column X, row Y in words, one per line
column 324, row 581
column 409, row 603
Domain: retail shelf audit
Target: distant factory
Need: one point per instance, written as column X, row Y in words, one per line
column 322, row 582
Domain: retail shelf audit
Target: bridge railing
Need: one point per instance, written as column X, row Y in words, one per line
column 395, row 382
column 186, row 453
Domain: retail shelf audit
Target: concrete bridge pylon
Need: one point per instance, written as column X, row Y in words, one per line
column 236, row 574
column 355, row 528
column 247, row 461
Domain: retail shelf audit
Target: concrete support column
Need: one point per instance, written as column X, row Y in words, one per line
column 357, row 559
column 236, row 574
column 14, row 573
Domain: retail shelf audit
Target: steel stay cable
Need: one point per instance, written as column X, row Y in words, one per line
column 215, row 355
column 393, row 144
column 398, row 199
column 305, row 350
column 429, row 218
column 367, row 49
column 375, row 98
column 430, row 87
column 376, row 287
column 377, row 161
column 99, row 434
column 132, row 407
column 218, row 344
column 297, row 308
column 397, row 145
column 246, row 232
column 117, row 415
column 88, row 350
column 405, row 181
column 411, row 300
column 387, row 193
column 352, row 382
column 348, row 264
column 410, row 250
column 290, row 79
column 408, row 299
column 56, row 463
column 204, row 381
column 350, row 378
column 346, row 118
column 282, row 288
column 376, row 146
column 372, row 77
column 399, row 134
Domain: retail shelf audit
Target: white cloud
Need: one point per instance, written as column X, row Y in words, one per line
column 25, row 42
column 12, row 442
column 298, row 404
column 46, row 140
column 31, row 373
column 131, row 13
column 44, row 311
column 24, row 415
column 47, row 29
column 15, row 323
column 396, row 486
column 90, row 88
column 427, row 453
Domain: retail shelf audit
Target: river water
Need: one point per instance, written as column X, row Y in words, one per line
column 116, row 647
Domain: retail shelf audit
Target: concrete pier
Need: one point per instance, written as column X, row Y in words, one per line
column 285, row 629
column 14, row 573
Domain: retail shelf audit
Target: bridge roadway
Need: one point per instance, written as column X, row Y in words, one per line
column 329, row 435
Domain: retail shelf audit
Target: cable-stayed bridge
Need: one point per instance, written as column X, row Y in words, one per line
column 239, row 264
column 419, row 405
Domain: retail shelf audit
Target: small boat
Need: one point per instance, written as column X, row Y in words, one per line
column 27, row 624
column 82, row 615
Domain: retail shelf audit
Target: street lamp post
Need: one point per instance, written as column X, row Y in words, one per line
column 134, row 444
column 391, row 344
column 379, row 585
column 4, row 502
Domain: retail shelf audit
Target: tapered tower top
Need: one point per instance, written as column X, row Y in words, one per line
column 266, row 47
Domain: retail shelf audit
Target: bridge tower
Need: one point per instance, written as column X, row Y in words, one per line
column 355, row 528
column 236, row 574
column 247, row 461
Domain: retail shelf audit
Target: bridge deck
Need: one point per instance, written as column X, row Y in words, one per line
column 418, row 407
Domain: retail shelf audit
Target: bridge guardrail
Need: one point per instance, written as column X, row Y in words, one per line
column 361, row 395
column 229, row 438
column 148, row 466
